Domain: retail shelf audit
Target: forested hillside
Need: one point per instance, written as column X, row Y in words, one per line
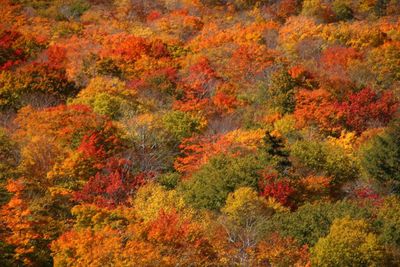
column 199, row 133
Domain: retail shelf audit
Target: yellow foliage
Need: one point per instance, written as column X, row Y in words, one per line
column 152, row 198
column 247, row 138
column 245, row 203
column 345, row 141
column 349, row 243
column 357, row 35
column 111, row 86
column 275, row 205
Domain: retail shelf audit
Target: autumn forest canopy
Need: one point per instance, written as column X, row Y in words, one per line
column 200, row 133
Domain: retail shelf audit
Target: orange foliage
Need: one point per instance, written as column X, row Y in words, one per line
column 317, row 108
column 250, row 61
column 125, row 47
column 212, row 36
column 282, row 251
column 169, row 240
column 314, row 188
column 16, row 215
column 61, row 123
column 198, row 150
column 85, row 247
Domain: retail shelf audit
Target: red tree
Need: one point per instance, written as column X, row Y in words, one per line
column 113, row 185
column 280, row 189
column 366, row 108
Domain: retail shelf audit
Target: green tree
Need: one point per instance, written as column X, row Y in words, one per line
column 325, row 159
column 169, row 180
column 181, row 124
column 246, row 4
column 275, row 152
column 312, row 221
column 209, row 187
column 380, row 157
column 388, row 220
column 388, row 224
column 342, row 9
column 108, row 96
column 281, row 92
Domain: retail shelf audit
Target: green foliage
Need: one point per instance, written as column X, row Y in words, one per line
column 58, row 9
column 388, row 220
column 106, row 104
column 281, row 92
column 380, row 157
column 169, row 180
column 181, row 124
column 312, row 221
column 286, row 126
column 37, row 4
column 325, row 159
column 6, row 255
column 244, row 217
column 97, row 218
column 313, row 8
column 107, row 96
column 213, row 3
column 9, row 155
column 209, row 187
column 107, row 66
column 246, row 4
column 342, row 9
column 349, row 243
column 276, row 153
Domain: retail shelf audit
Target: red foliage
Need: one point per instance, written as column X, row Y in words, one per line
column 164, row 80
column 130, row 48
column 250, row 61
column 89, row 146
column 153, row 15
column 225, row 102
column 112, row 186
column 178, row 233
column 99, row 147
column 195, row 151
column 335, row 62
column 366, row 194
column 335, row 57
column 366, row 108
column 56, row 56
column 358, row 112
column 286, row 8
column 197, row 87
column 280, row 189
column 10, row 55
